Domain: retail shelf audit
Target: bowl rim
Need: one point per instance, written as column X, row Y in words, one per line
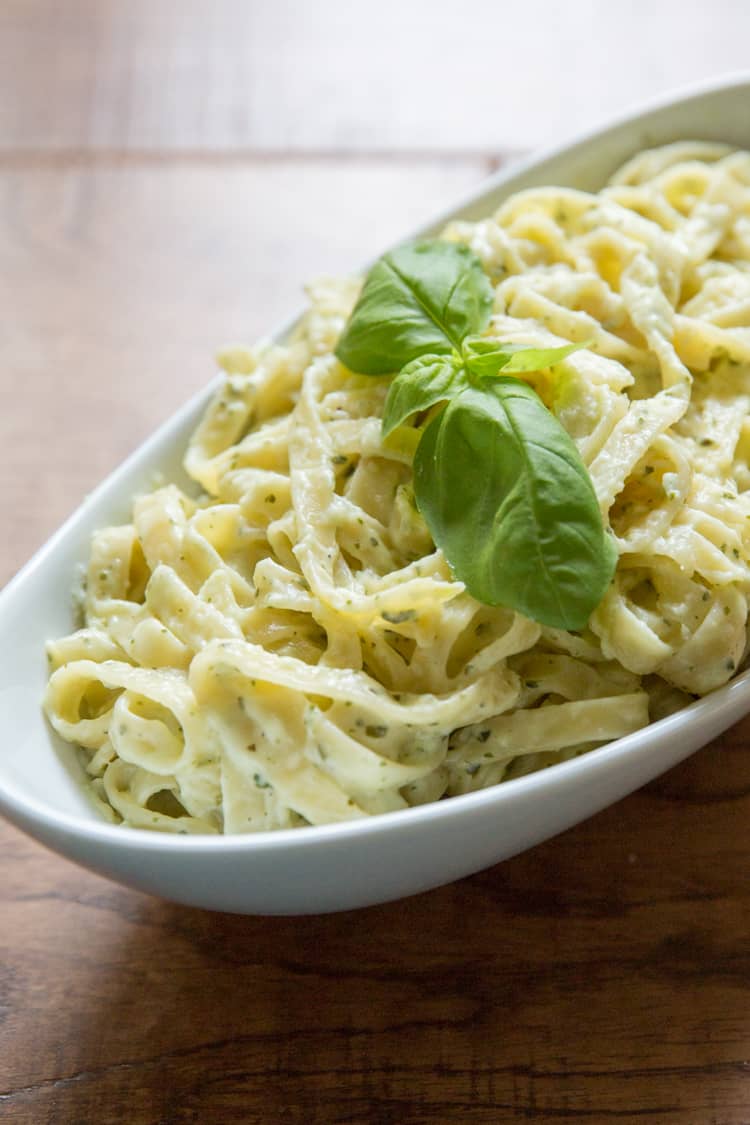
column 24, row 810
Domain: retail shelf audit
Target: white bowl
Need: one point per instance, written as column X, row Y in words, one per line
column 344, row 865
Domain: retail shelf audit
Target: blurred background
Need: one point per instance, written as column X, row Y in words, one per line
column 173, row 171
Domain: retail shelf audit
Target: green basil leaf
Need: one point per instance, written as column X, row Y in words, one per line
column 422, row 383
column 485, row 357
column 508, row 500
column 420, row 299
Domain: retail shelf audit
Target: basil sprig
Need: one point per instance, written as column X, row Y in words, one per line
column 497, row 479
column 423, row 298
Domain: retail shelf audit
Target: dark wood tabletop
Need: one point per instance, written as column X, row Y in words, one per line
column 171, row 173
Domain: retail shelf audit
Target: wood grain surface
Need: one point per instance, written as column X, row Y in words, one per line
column 170, row 175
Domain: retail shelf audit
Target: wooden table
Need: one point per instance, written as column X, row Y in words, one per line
column 170, row 174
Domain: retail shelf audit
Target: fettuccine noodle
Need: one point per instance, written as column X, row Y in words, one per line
column 284, row 646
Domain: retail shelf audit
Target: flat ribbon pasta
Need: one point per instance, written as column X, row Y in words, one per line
column 285, row 646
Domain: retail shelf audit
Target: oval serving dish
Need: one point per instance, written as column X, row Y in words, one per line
column 362, row 862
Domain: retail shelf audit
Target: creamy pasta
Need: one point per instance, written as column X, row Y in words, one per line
column 284, row 646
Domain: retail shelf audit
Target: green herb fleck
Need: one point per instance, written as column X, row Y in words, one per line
column 398, row 617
